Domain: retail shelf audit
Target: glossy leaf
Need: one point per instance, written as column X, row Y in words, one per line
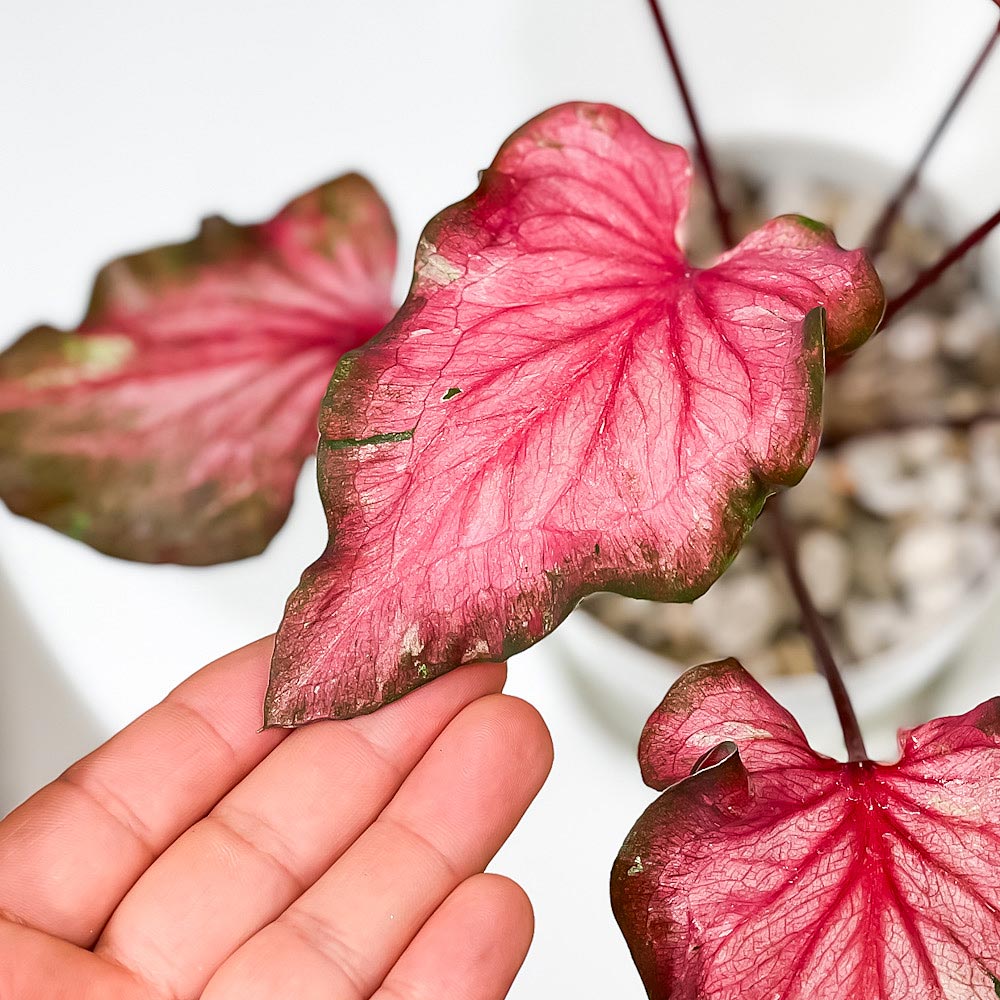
column 772, row 871
column 562, row 405
column 171, row 425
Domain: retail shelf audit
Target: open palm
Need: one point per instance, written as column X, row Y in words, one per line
column 192, row 856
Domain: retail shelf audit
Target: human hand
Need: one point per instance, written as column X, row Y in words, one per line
column 192, row 856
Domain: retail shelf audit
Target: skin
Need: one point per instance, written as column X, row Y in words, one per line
column 192, row 856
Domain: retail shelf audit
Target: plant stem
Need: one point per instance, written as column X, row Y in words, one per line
column 928, row 277
column 880, row 231
column 721, row 212
column 812, row 624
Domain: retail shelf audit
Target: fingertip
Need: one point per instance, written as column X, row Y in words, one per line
column 471, row 948
column 519, row 726
column 493, row 908
column 493, row 675
column 505, row 905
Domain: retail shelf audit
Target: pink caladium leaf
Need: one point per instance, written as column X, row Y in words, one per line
column 768, row 870
column 562, row 405
column 171, row 425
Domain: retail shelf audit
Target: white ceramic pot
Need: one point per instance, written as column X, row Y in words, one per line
column 622, row 682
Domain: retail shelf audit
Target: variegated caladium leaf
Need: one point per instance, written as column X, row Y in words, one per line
column 171, row 425
column 562, row 405
column 767, row 870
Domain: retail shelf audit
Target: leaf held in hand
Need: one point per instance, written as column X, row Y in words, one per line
column 171, row 425
column 562, row 405
column 767, row 870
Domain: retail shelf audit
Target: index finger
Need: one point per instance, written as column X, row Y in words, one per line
column 72, row 851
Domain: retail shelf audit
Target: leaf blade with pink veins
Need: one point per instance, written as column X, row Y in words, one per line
column 562, row 405
column 774, row 871
column 171, row 425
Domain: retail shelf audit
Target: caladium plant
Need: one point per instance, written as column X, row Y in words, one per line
column 767, row 870
column 171, row 425
column 563, row 404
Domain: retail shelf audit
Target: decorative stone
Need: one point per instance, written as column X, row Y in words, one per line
column 825, row 565
column 870, row 559
column 931, row 600
column 616, row 612
column 880, row 483
column 922, row 445
column 819, row 496
column 926, row 551
column 763, row 663
column 788, row 611
column 984, row 445
column 963, row 335
column 739, row 613
column 979, row 548
column 945, row 488
column 914, row 337
column 871, row 626
column 964, row 402
column 896, row 273
column 666, row 625
column 794, row 655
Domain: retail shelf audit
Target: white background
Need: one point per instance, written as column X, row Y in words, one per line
column 122, row 123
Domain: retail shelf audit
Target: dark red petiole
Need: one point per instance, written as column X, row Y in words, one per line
column 928, row 277
column 786, row 545
column 701, row 147
column 880, row 231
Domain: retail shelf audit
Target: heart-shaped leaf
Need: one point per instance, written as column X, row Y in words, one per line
column 771, row 871
column 171, row 425
column 562, row 405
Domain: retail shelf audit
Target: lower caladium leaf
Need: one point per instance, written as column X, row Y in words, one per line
column 171, row 425
column 562, row 405
column 766, row 870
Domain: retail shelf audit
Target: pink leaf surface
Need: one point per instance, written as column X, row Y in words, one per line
column 171, row 425
column 562, row 405
column 770, row 871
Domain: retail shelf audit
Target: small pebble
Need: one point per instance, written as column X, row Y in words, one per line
column 964, row 402
column 825, row 565
column 979, row 547
column 870, row 551
column 945, row 488
column 931, row 599
column 927, row 550
column 664, row 623
column 818, row 497
column 963, row 335
column 914, row 337
column 922, row 445
column 984, row 444
column 763, row 663
column 880, row 483
column 871, row 626
column 739, row 613
column 616, row 612
column 794, row 655
column 895, row 272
